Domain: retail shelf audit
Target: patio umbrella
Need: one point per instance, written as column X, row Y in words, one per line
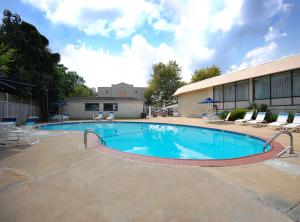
column 208, row 100
column 59, row 104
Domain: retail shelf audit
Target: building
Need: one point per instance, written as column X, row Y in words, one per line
column 276, row 83
column 122, row 90
column 87, row 107
column 126, row 101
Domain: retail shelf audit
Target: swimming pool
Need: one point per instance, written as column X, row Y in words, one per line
column 170, row 140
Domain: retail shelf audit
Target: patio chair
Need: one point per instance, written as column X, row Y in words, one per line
column 226, row 120
column 66, row 117
column 295, row 125
column 100, row 116
column 281, row 120
column 32, row 120
column 211, row 118
column 27, row 132
column 260, row 119
column 247, row 117
column 9, row 119
column 111, row 116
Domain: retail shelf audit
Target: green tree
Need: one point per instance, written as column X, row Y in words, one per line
column 34, row 63
column 82, row 90
column 6, row 57
column 205, row 73
column 165, row 80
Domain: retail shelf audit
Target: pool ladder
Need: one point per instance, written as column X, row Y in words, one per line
column 86, row 132
column 275, row 135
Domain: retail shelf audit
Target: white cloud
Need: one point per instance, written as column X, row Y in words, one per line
column 193, row 24
column 228, row 17
column 257, row 56
column 133, row 65
column 273, row 34
column 98, row 16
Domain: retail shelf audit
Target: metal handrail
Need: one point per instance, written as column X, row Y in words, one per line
column 290, row 147
column 86, row 132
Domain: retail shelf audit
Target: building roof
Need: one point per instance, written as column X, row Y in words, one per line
column 279, row 65
column 97, row 98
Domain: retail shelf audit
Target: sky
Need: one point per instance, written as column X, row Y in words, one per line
column 113, row 41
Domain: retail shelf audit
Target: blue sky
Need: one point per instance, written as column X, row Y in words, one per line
column 108, row 42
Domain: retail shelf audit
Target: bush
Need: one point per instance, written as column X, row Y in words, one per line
column 291, row 117
column 237, row 114
column 271, row 117
column 223, row 114
column 263, row 108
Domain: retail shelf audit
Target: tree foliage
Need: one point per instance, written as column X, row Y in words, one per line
column 165, row 80
column 28, row 58
column 205, row 73
column 6, row 57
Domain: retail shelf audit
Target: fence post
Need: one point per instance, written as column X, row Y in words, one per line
column 21, row 110
column 6, row 107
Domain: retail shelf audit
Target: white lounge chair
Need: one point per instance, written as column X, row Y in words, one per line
column 295, row 125
column 27, row 132
column 111, row 116
column 210, row 118
column 247, row 118
column 281, row 120
column 260, row 119
column 100, row 116
column 226, row 120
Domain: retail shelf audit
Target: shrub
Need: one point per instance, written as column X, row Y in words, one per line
column 262, row 108
column 223, row 114
column 291, row 117
column 271, row 117
column 237, row 114
column 254, row 107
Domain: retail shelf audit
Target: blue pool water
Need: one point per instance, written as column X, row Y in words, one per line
column 170, row 141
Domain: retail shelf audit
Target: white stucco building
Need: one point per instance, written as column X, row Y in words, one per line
column 122, row 90
column 276, row 83
column 86, row 107
column 125, row 100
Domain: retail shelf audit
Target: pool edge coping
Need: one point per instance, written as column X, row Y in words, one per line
column 276, row 147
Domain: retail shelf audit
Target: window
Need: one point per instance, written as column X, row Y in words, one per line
column 110, row 106
column 296, row 82
column 218, row 93
column 242, row 91
column 229, row 92
column 281, row 85
column 262, row 88
column 91, row 106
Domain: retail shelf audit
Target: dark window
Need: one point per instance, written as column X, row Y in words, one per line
column 296, row 82
column 136, row 91
column 262, row 88
column 110, row 106
column 218, row 93
column 242, row 90
column 281, row 85
column 91, row 106
column 229, row 92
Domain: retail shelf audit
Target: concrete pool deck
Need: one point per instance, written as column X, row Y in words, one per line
column 58, row 180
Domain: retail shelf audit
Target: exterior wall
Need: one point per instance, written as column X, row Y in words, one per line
column 188, row 103
column 122, row 90
column 126, row 109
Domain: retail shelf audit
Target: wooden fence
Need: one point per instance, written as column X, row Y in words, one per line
column 22, row 108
